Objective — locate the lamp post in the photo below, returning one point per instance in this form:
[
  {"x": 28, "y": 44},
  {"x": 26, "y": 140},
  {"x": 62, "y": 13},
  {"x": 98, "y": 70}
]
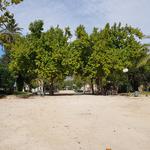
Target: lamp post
[{"x": 125, "y": 70}]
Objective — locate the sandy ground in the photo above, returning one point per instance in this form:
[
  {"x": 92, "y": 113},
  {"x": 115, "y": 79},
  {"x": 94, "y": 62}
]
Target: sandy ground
[{"x": 75, "y": 123}]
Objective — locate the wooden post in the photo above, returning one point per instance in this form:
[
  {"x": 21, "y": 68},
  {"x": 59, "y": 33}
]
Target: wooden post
[{"x": 108, "y": 148}]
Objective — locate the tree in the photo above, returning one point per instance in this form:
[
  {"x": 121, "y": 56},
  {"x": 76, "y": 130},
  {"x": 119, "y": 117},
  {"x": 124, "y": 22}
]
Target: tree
[
  {"x": 82, "y": 46},
  {"x": 99, "y": 57},
  {"x": 41, "y": 55},
  {"x": 114, "y": 48},
  {"x": 24, "y": 53},
  {"x": 8, "y": 32},
  {"x": 6, "y": 79},
  {"x": 22, "y": 64},
  {"x": 51, "y": 66},
  {"x": 6, "y": 3},
  {"x": 80, "y": 51},
  {"x": 143, "y": 68},
  {"x": 8, "y": 26},
  {"x": 36, "y": 28}
]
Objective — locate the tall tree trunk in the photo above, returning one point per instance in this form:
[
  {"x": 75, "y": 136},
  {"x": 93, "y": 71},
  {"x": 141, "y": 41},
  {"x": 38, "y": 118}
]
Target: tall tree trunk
[
  {"x": 51, "y": 90},
  {"x": 98, "y": 85},
  {"x": 92, "y": 87},
  {"x": 134, "y": 83},
  {"x": 20, "y": 83}
]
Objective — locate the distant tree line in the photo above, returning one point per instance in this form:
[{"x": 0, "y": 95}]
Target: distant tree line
[{"x": 46, "y": 58}]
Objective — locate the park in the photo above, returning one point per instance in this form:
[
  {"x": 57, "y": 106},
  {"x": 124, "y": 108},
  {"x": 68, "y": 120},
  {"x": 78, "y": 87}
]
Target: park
[{"x": 74, "y": 75}]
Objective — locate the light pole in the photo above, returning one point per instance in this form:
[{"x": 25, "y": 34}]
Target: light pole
[{"x": 125, "y": 70}]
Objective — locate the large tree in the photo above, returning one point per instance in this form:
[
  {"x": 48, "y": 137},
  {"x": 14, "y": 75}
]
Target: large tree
[
  {"x": 50, "y": 61},
  {"x": 24, "y": 53},
  {"x": 99, "y": 57},
  {"x": 8, "y": 25},
  {"x": 9, "y": 30},
  {"x": 114, "y": 48}
]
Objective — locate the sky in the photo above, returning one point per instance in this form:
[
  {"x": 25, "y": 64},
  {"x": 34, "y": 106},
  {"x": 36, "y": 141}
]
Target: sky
[{"x": 91, "y": 13}]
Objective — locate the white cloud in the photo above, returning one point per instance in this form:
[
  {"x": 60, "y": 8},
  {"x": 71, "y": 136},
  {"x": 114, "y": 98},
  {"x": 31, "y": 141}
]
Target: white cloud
[
  {"x": 88, "y": 12},
  {"x": 133, "y": 12}
]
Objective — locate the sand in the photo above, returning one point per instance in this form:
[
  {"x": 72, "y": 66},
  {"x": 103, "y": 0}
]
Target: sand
[{"x": 75, "y": 123}]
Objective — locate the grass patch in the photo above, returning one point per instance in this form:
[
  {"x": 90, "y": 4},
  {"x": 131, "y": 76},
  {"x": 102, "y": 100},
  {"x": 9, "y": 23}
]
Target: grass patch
[
  {"x": 145, "y": 93},
  {"x": 22, "y": 94}
]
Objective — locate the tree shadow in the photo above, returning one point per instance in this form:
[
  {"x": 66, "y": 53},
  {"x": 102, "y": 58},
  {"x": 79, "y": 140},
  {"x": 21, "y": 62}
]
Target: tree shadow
[{"x": 2, "y": 96}]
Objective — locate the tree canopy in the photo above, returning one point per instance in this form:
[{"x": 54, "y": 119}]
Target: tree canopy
[
  {"x": 99, "y": 57},
  {"x": 50, "y": 56}
]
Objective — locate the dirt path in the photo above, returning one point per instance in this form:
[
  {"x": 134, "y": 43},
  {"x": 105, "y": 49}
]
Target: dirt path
[{"x": 75, "y": 123}]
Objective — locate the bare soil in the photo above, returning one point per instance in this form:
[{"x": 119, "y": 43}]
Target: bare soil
[{"x": 75, "y": 123}]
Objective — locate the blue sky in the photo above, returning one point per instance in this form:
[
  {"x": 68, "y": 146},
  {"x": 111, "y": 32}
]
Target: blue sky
[{"x": 87, "y": 12}]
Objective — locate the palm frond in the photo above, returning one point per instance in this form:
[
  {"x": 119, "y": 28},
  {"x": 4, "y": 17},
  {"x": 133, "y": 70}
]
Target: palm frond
[{"x": 143, "y": 61}]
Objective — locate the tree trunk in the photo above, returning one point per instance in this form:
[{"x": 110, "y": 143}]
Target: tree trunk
[
  {"x": 134, "y": 83},
  {"x": 20, "y": 83},
  {"x": 98, "y": 85},
  {"x": 92, "y": 87},
  {"x": 51, "y": 89},
  {"x": 102, "y": 92}
]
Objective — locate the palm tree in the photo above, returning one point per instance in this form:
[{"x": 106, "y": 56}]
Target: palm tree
[
  {"x": 8, "y": 29},
  {"x": 144, "y": 60}
]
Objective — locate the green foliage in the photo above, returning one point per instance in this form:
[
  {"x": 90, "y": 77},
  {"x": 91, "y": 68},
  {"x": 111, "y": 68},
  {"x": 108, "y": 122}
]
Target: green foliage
[
  {"x": 143, "y": 61},
  {"x": 23, "y": 56},
  {"x": 50, "y": 55},
  {"x": 99, "y": 57},
  {"x": 22, "y": 94},
  {"x": 9, "y": 30},
  {"x": 36, "y": 28},
  {"x": 8, "y": 26},
  {"x": 113, "y": 49},
  {"x": 6, "y": 79},
  {"x": 81, "y": 49},
  {"x": 6, "y": 3}
]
